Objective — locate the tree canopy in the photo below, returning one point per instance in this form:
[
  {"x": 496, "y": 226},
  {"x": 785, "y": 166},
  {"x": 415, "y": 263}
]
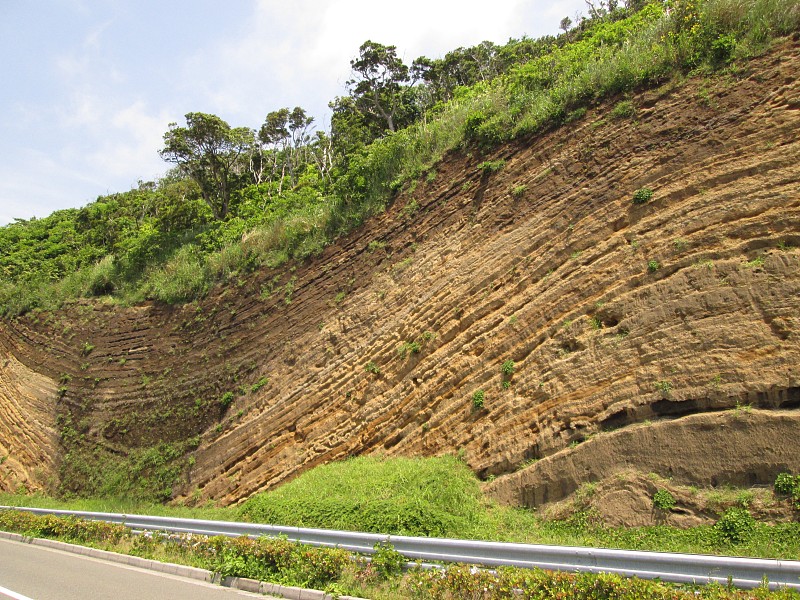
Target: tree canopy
[{"x": 208, "y": 151}]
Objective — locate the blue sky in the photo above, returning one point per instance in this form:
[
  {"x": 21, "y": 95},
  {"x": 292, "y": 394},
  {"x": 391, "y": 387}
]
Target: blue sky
[{"x": 90, "y": 86}]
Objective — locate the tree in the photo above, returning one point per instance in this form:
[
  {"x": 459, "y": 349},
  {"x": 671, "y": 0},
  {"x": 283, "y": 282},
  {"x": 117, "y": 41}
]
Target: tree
[
  {"x": 208, "y": 150},
  {"x": 376, "y": 86},
  {"x": 285, "y": 136}
]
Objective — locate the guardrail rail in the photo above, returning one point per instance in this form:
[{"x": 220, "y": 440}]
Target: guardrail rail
[{"x": 667, "y": 566}]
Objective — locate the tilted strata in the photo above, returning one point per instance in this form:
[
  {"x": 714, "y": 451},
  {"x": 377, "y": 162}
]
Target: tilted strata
[{"x": 614, "y": 314}]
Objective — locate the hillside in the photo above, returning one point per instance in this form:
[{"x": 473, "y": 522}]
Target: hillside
[{"x": 635, "y": 330}]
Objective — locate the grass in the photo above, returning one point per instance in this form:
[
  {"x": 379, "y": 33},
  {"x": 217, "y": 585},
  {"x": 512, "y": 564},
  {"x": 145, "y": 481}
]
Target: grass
[
  {"x": 437, "y": 497},
  {"x": 441, "y": 497}
]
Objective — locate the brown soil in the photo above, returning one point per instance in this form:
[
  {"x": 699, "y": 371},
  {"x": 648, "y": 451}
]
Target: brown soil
[{"x": 544, "y": 262}]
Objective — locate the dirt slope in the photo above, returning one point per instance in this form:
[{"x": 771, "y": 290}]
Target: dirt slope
[{"x": 544, "y": 262}]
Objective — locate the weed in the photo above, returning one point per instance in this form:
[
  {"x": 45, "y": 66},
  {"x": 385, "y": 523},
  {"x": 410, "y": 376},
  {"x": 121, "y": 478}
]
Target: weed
[
  {"x": 784, "y": 247},
  {"x": 492, "y": 166},
  {"x": 427, "y": 336},
  {"x": 653, "y": 265},
  {"x": 86, "y": 348},
  {"x": 680, "y": 244},
  {"x": 506, "y": 384},
  {"x": 431, "y": 176},
  {"x": 576, "y": 115},
  {"x": 512, "y": 320},
  {"x": 409, "y": 348},
  {"x": 259, "y": 384},
  {"x": 507, "y": 368},
  {"x": 226, "y": 400},
  {"x": 478, "y": 399},
  {"x": 736, "y": 526},
  {"x": 704, "y": 264},
  {"x": 288, "y": 290},
  {"x": 622, "y": 110},
  {"x": 642, "y": 195},
  {"x": 411, "y": 207},
  {"x": 371, "y": 367},
  {"x": 375, "y": 245},
  {"x": 664, "y": 500},
  {"x": 595, "y": 323},
  {"x": 665, "y": 387},
  {"x": 387, "y": 561},
  {"x": 518, "y": 191},
  {"x": 340, "y": 297},
  {"x": 757, "y": 262}
]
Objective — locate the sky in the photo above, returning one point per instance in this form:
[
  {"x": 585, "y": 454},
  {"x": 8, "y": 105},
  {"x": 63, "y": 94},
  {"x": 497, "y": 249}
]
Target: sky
[{"x": 88, "y": 87}]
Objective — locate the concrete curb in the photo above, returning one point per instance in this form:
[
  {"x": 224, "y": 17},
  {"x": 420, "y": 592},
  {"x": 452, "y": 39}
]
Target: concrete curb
[{"x": 238, "y": 583}]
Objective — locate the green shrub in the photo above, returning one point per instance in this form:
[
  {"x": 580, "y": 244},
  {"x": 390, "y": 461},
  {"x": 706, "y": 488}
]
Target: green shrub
[
  {"x": 736, "y": 526},
  {"x": 478, "y": 399},
  {"x": 642, "y": 195},
  {"x": 785, "y": 483},
  {"x": 653, "y": 265},
  {"x": 664, "y": 500},
  {"x": 624, "y": 110},
  {"x": 226, "y": 400},
  {"x": 387, "y": 561},
  {"x": 371, "y": 367},
  {"x": 492, "y": 166},
  {"x": 409, "y": 347},
  {"x": 507, "y": 368}
]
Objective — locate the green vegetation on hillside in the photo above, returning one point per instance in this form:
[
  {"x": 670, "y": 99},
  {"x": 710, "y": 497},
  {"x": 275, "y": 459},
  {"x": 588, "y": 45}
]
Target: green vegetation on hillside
[
  {"x": 240, "y": 199},
  {"x": 404, "y": 496}
]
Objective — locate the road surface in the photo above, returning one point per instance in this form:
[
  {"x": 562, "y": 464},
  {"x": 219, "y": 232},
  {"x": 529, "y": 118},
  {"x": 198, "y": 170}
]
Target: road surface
[{"x": 34, "y": 573}]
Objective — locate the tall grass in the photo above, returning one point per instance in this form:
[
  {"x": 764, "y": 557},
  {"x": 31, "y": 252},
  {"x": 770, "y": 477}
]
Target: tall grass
[{"x": 437, "y": 497}]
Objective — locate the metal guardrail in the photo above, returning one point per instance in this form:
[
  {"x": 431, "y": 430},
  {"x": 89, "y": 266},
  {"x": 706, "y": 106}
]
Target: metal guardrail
[{"x": 673, "y": 567}]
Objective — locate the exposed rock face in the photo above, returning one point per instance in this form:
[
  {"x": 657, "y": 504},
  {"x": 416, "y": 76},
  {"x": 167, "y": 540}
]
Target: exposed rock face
[
  {"x": 28, "y": 440},
  {"x": 743, "y": 447},
  {"x": 612, "y": 313}
]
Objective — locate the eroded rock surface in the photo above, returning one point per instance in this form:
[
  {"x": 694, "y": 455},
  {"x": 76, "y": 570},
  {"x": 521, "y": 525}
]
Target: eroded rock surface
[{"x": 614, "y": 314}]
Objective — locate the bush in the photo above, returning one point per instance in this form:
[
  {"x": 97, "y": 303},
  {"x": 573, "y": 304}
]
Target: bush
[
  {"x": 642, "y": 195},
  {"x": 477, "y": 399},
  {"x": 736, "y": 526},
  {"x": 664, "y": 500},
  {"x": 387, "y": 561},
  {"x": 785, "y": 484}
]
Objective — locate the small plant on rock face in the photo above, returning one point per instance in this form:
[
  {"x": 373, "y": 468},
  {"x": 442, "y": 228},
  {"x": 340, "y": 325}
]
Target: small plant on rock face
[
  {"x": 226, "y": 399},
  {"x": 478, "y": 399},
  {"x": 653, "y": 266},
  {"x": 518, "y": 191},
  {"x": 508, "y": 368},
  {"x": 408, "y": 347},
  {"x": 371, "y": 367},
  {"x": 642, "y": 195},
  {"x": 492, "y": 166},
  {"x": 664, "y": 500},
  {"x": 665, "y": 387}
]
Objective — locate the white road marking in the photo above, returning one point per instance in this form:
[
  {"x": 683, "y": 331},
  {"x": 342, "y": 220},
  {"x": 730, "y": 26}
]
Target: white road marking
[{"x": 13, "y": 595}]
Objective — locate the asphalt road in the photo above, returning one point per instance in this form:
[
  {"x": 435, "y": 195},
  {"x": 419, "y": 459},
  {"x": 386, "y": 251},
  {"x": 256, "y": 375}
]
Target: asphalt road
[{"x": 33, "y": 573}]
